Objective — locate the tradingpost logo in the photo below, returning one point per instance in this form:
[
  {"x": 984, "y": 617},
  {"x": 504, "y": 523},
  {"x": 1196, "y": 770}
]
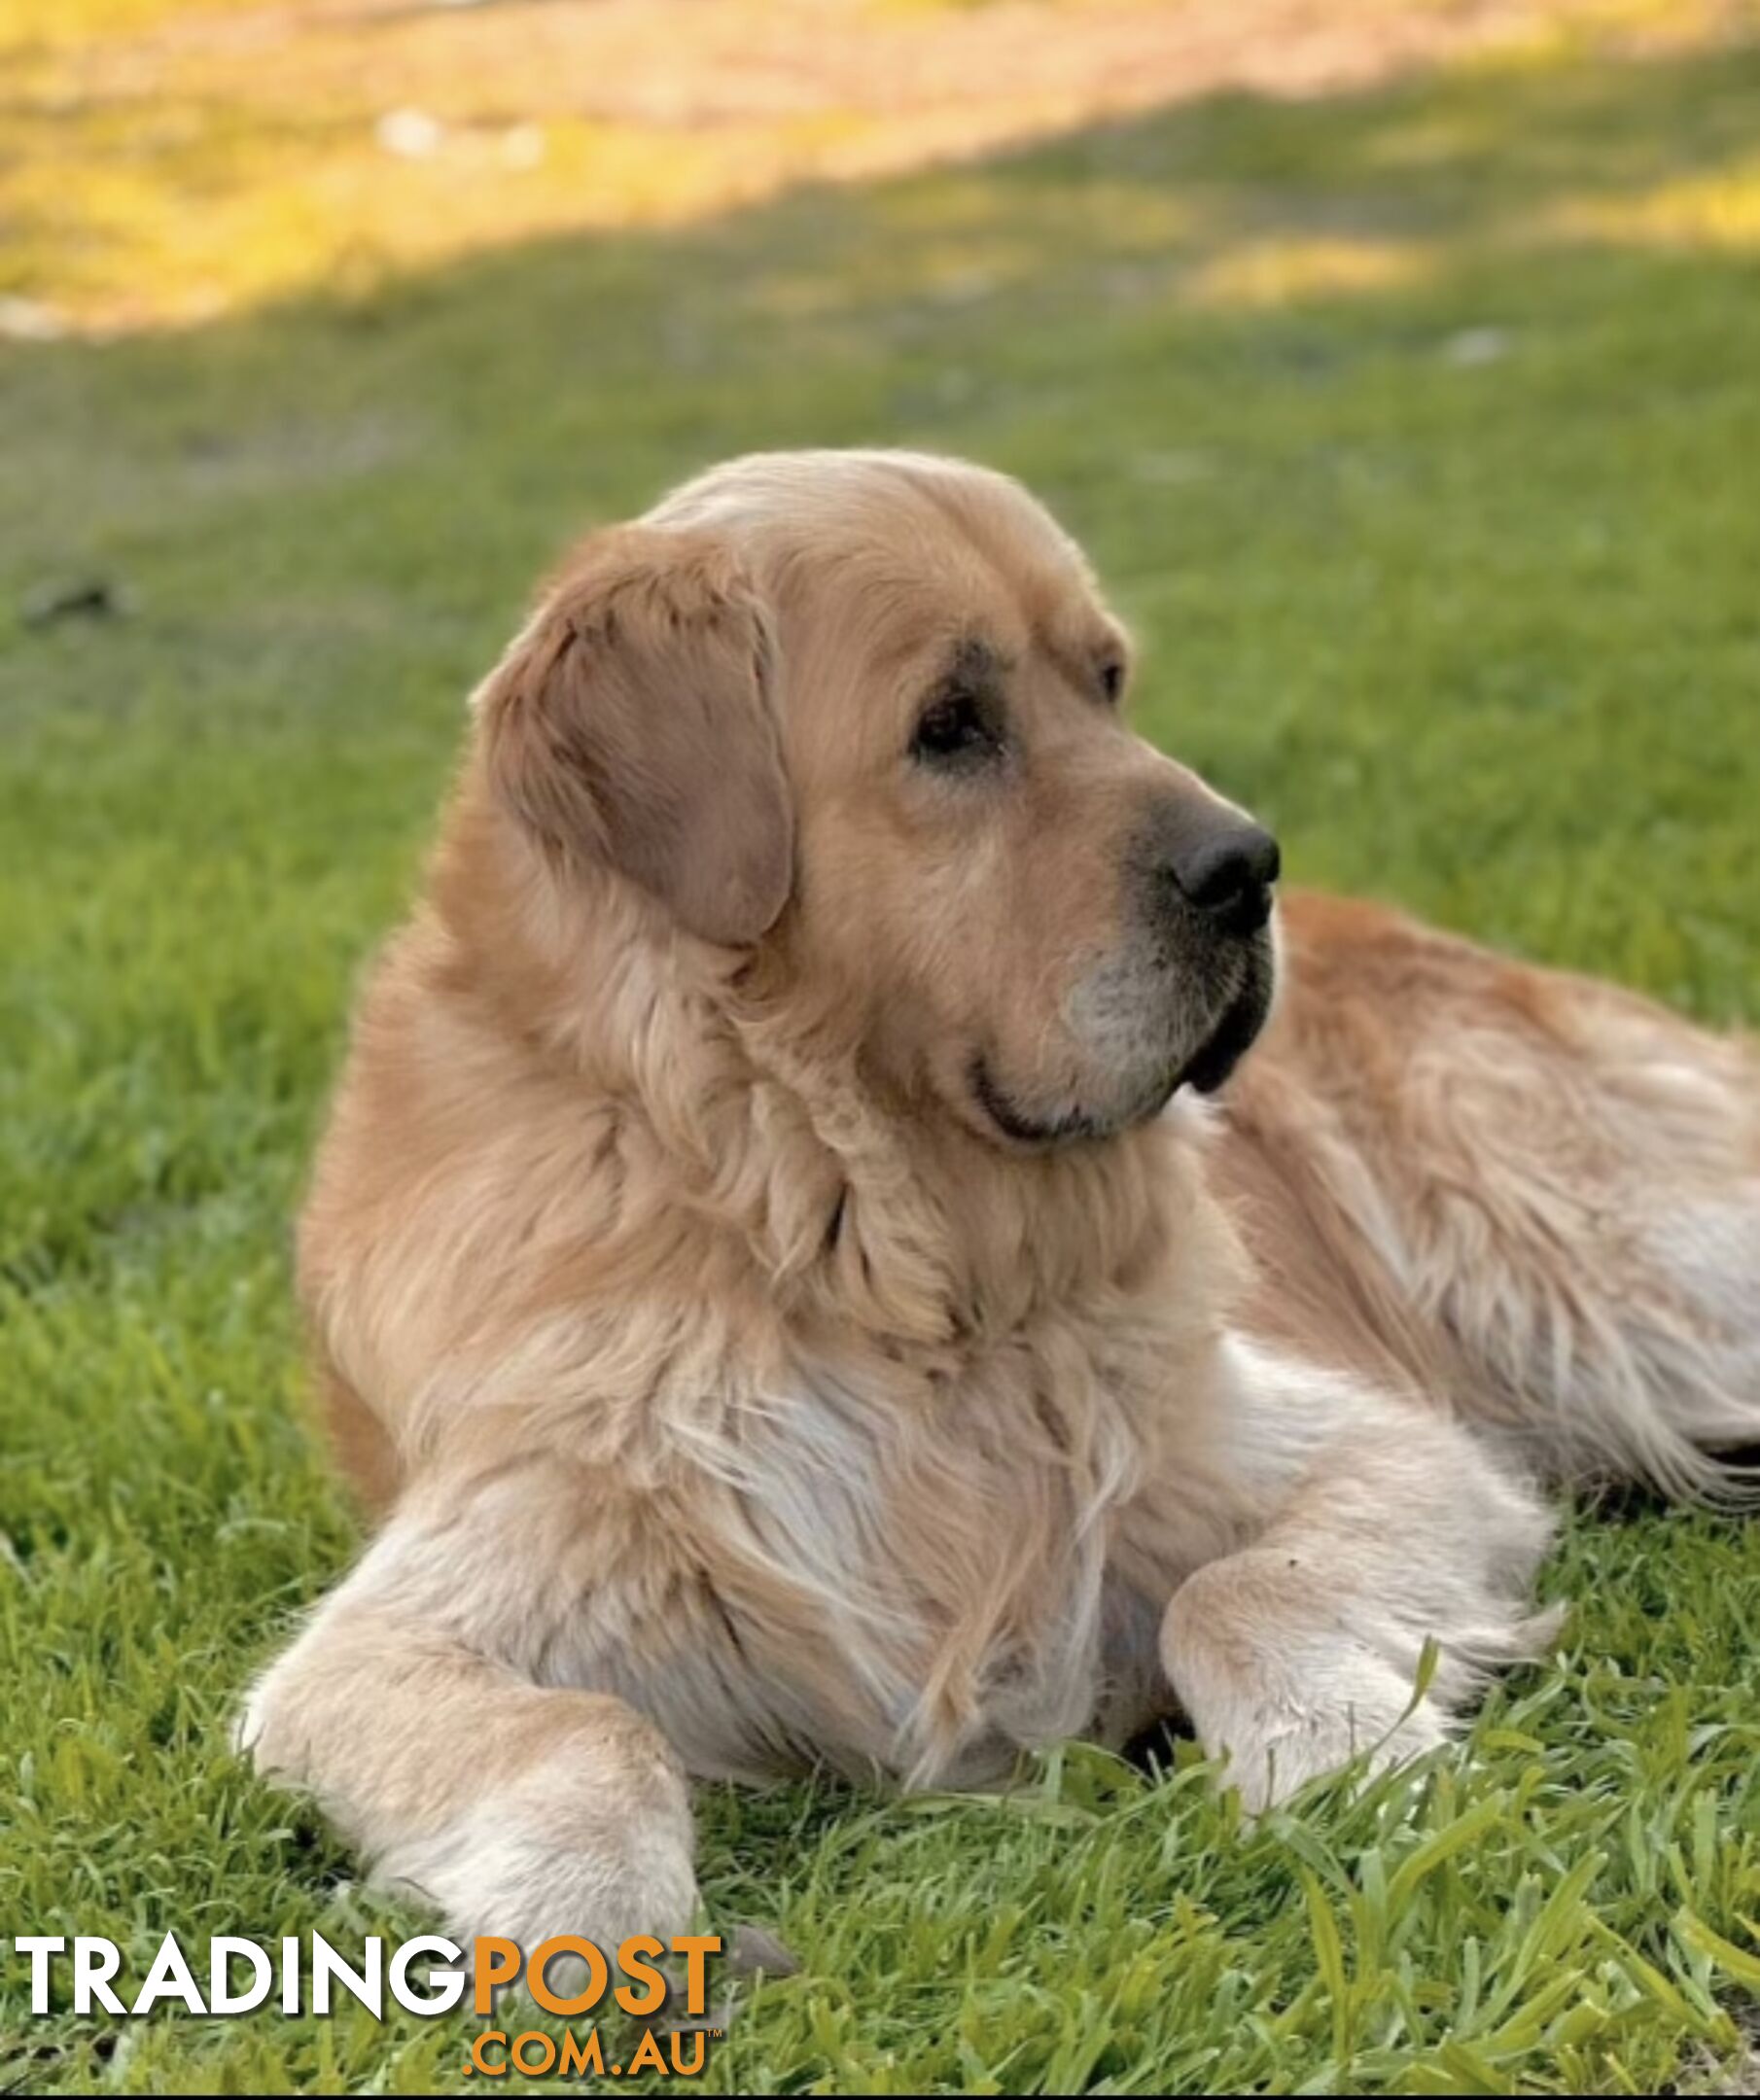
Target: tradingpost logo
[{"x": 426, "y": 1975}]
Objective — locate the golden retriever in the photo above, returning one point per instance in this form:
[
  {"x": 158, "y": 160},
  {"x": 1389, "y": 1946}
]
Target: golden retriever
[{"x": 783, "y": 1270}]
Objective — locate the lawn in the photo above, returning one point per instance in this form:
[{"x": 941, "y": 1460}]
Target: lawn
[{"x": 1416, "y": 431}]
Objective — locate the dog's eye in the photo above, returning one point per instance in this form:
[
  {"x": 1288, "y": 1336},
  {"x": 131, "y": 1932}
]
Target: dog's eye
[
  {"x": 1111, "y": 680},
  {"x": 955, "y": 728}
]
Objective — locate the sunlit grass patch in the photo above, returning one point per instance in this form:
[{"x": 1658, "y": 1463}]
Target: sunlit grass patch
[
  {"x": 1719, "y": 209},
  {"x": 1271, "y": 272}
]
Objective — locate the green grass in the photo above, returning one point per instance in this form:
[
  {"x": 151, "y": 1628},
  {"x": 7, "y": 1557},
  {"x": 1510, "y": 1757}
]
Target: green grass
[{"x": 1484, "y": 637}]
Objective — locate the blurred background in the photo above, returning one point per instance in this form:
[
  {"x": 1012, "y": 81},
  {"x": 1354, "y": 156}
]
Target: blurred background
[{"x": 1399, "y": 363}]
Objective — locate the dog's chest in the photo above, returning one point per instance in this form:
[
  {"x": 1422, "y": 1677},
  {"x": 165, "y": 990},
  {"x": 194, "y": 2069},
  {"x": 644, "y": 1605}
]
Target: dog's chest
[{"x": 906, "y": 1581}]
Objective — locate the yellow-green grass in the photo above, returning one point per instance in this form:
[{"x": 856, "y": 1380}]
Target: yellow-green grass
[{"x": 1445, "y": 564}]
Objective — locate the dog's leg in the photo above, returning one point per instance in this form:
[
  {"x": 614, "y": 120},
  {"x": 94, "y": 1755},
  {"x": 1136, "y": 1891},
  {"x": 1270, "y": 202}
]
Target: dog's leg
[
  {"x": 1304, "y": 1648},
  {"x": 517, "y": 1809},
  {"x": 1555, "y": 1182},
  {"x": 1660, "y": 1360},
  {"x": 1600, "y": 1273}
]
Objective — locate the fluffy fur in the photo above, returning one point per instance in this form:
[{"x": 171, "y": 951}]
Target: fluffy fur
[{"x": 764, "y": 1284}]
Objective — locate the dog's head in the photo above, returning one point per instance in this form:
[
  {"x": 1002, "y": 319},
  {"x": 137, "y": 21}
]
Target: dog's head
[{"x": 864, "y": 715}]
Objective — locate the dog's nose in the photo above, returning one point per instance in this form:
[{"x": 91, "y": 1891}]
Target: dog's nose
[{"x": 1228, "y": 875}]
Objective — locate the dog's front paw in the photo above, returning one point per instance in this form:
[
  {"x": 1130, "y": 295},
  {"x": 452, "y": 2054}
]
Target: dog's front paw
[
  {"x": 543, "y": 1855},
  {"x": 529, "y": 1863},
  {"x": 1288, "y": 1696},
  {"x": 1273, "y": 1753}
]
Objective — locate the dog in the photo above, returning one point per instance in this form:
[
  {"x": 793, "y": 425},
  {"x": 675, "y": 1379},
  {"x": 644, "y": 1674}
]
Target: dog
[{"x": 798, "y": 1275}]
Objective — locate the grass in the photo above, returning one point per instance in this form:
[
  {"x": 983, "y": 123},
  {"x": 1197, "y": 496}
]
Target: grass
[{"x": 1444, "y": 560}]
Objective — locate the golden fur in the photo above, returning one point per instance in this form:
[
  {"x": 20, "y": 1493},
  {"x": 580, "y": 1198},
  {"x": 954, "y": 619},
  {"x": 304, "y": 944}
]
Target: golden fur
[{"x": 758, "y": 1276}]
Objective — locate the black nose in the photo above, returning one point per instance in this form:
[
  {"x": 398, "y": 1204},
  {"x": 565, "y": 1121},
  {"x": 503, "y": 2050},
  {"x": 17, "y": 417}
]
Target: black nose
[{"x": 1228, "y": 875}]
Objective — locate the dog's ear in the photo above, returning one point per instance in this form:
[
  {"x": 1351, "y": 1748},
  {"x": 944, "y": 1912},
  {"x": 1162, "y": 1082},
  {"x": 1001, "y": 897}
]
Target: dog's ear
[{"x": 633, "y": 724}]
